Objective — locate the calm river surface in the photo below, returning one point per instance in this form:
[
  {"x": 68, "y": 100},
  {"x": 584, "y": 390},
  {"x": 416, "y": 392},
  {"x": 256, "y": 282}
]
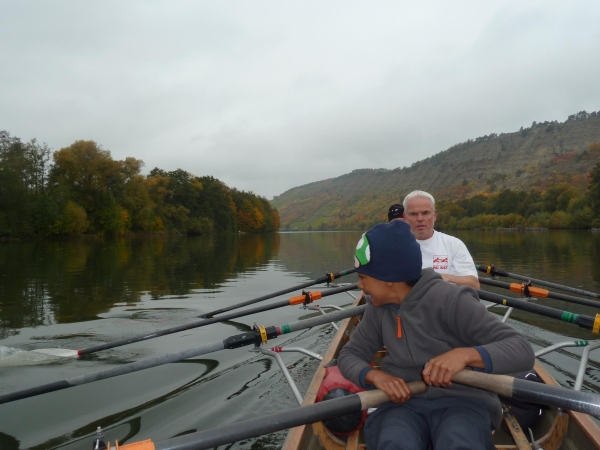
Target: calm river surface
[{"x": 79, "y": 294}]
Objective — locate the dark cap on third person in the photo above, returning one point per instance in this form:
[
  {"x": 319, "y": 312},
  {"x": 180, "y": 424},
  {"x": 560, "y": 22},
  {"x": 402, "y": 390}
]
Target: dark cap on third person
[{"x": 396, "y": 211}]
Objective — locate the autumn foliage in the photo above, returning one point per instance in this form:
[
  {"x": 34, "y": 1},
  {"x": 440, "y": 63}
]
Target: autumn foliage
[{"x": 86, "y": 191}]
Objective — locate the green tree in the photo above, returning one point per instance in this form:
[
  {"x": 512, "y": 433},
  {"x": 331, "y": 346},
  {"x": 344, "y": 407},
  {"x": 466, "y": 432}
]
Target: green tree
[
  {"x": 594, "y": 191},
  {"x": 74, "y": 219},
  {"x": 112, "y": 193},
  {"x": 134, "y": 196},
  {"x": 254, "y": 213},
  {"x": 23, "y": 170},
  {"x": 45, "y": 216},
  {"x": 181, "y": 201},
  {"x": 110, "y": 217},
  {"x": 217, "y": 204},
  {"x": 91, "y": 179},
  {"x": 249, "y": 217}
]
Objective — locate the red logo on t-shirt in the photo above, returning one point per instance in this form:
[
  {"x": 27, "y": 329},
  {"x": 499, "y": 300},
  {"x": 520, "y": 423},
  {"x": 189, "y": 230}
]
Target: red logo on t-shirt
[{"x": 440, "y": 262}]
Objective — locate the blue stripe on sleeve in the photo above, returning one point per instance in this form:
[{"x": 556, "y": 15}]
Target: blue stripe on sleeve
[
  {"x": 361, "y": 378},
  {"x": 487, "y": 360}
]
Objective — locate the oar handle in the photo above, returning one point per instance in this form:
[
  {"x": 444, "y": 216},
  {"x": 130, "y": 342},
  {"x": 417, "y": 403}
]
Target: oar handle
[
  {"x": 371, "y": 399},
  {"x": 500, "y": 384}
]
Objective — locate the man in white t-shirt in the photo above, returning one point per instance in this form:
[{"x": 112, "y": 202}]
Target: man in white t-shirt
[{"x": 446, "y": 254}]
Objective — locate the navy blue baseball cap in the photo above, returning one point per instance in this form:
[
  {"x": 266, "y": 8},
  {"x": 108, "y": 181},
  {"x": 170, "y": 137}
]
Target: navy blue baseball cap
[{"x": 389, "y": 252}]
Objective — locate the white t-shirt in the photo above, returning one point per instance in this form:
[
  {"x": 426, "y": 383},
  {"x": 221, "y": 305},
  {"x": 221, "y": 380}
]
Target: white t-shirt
[{"x": 447, "y": 254}]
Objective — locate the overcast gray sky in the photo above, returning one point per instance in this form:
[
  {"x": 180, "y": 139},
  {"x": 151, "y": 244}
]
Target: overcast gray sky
[{"x": 267, "y": 96}]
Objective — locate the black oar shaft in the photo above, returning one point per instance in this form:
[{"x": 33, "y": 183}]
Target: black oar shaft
[
  {"x": 202, "y": 323},
  {"x": 116, "y": 371},
  {"x": 235, "y": 432},
  {"x": 301, "y": 415},
  {"x": 189, "y": 326},
  {"x": 231, "y": 342},
  {"x": 491, "y": 270},
  {"x": 587, "y": 322},
  {"x": 544, "y": 294},
  {"x": 530, "y": 391},
  {"x": 327, "y": 278},
  {"x": 583, "y": 402}
]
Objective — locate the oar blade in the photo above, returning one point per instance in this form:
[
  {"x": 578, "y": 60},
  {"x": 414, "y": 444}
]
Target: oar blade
[{"x": 62, "y": 352}]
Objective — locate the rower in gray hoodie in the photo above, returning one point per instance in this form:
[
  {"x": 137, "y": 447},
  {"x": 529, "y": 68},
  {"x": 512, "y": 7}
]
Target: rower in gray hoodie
[{"x": 431, "y": 329}]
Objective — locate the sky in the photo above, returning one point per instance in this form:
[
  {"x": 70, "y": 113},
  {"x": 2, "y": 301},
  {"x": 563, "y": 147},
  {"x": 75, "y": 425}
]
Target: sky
[{"x": 269, "y": 95}]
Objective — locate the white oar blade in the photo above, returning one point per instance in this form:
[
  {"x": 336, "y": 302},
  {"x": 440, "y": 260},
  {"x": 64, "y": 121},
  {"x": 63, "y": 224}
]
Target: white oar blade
[
  {"x": 14, "y": 357},
  {"x": 62, "y": 352}
]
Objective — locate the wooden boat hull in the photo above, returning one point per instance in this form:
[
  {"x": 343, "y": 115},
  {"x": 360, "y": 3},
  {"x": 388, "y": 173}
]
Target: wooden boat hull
[{"x": 556, "y": 430}]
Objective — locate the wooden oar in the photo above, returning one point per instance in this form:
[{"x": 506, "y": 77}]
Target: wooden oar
[
  {"x": 531, "y": 291},
  {"x": 587, "y": 322},
  {"x": 501, "y": 384},
  {"x": 258, "y": 336},
  {"x": 305, "y": 298},
  {"x": 328, "y": 278},
  {"x": 491, "y": 270}
]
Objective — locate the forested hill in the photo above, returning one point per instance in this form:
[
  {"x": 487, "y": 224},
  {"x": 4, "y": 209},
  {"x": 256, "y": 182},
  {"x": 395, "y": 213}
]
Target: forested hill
[{"x": 529, "y": 163}]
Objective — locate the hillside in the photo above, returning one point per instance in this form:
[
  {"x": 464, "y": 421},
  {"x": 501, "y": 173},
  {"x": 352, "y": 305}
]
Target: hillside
[{"x": 531, "y": 158}]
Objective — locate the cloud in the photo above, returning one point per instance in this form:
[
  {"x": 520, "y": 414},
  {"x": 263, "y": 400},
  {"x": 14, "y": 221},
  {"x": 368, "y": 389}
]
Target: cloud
[{"x": 269, "y": 95}]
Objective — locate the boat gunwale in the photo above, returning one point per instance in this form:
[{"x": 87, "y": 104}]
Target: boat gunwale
[
  {"x": 583, "y": 421},
  {"x": 295, "y": 435}
]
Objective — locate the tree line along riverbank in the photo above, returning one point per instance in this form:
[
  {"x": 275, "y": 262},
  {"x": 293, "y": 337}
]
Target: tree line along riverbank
[
  {"x": 81, "y": 189},
  {"x": 567, "y": 203}
]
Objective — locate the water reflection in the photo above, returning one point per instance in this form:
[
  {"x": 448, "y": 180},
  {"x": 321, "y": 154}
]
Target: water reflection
[
  {"x": 44, "y": 283},
  {"x": 550, "y": 255},
  {"x": 317, "y": 253},
  {"x": 63, "y": 282}
]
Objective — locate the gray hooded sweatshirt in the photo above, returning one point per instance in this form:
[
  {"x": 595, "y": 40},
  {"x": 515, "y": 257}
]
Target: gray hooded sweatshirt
[{"x": 435, "y": 318}]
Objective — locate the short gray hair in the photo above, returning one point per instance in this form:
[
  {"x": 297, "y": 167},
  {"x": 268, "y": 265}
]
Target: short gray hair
[{"x": 418, "y": 194}]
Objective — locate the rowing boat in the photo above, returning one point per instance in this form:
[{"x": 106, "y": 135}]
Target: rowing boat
[{"x": 557, "y": 430}]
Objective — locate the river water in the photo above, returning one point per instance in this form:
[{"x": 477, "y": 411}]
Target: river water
[{"x": 77, "y": 294}]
